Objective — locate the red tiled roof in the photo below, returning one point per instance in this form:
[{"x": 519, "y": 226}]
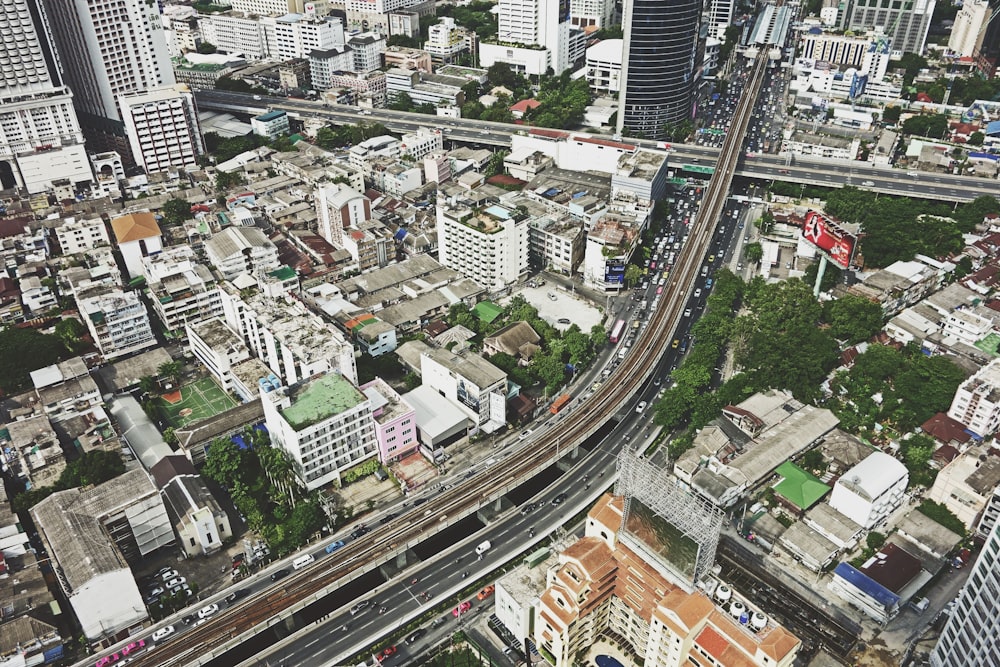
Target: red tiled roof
[
  {"x": 548, "y": 134},
  {"x": 945, "y": 429},
  {"x": 603, "y": 142},
  {"x": 945, "y": 455},
  {"x": 713, "y": 642},
  {"x": 524, "y": 105}
]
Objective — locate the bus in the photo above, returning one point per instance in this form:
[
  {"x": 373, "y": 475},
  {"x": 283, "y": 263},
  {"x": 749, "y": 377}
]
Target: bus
[{"x": 616, "y": 333}]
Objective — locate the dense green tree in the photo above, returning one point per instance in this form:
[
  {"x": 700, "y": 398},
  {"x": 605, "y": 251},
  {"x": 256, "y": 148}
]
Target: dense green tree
[
  {"x": 976, "y": 138},
  {"x": 753, "y": 252},
  {"x": 830, "y": 276},
  {"x": 890, "y": 115},
  {"x": 562, "y": 102},
  {"x": 577, "y": 344},
  {"x": 598, "y": 336},
  {"x": 224, "y": 463},
  {"x": 206, "y": 48},
  {"x": 935, "y": 126},
  {"x": 403, "y": 40},
  {"x": 674, "y": 408},
  {"x": 476, "y": 16},
  {"x": 551, "y": 370},
  {"x": 71, "y": 332},
  {"x": 633, "y": 274},
  {"x": 306, "y": 519},
  {"x": 973, "y": 213},
  {"x": 170, "y": 369},
  {"x": 95, "y": 467},
  {"x": 25, "y": 350},
  {"x": 460, "y": 315},
  {"x": 501, "y": 74},
  {"x": 852, "y": 318},
  {"x": 401, "y": 102},
  {"x": 225, "y": 181},
  {"x": 175, "y": 211},
  {"x": 911, "y": 63}
]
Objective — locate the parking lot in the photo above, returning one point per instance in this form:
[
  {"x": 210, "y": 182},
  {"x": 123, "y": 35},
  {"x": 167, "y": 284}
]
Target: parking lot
[{"x": 562, "y": 311}]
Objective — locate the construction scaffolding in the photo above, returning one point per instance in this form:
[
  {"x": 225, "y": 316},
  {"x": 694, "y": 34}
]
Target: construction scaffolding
[{"x": 661, "y": 492}]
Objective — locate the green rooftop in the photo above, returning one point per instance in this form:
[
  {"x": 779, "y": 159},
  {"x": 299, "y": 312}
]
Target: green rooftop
[
  {"x": 989, "y": 344},
  {"x": 799, "y": 487},
  {"x": 487, "y": 311},
  {"x": 284, "y": 273},
  {"x": 319, "y": 399}
]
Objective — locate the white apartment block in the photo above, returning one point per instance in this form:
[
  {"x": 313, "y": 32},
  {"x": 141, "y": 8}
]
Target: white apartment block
[
  {"x": 324, "y": 424},
  {"x": 235, "y": 34},
  {"x": 238, "y": 250},
  {"x": 967, "y": 484},
  {"x": 261, "y": 7},
  {"x": 297, "y": 35},
  {"x": 611, "y": 241},
  {"x": 366, "y": 49},
  {"x": 834, "y": 48},
  {"x": 361, "y": 156},
  {"x": 967, "y": 326},
  {"x": 325, "y": 65},
  {"x": 418, "y": 144},
  {"x": 977, "y": 401},
  {"x": 720, "y": 17},
  {"x": 592, "y": 13},
  {"x": 969, "y": 30},
  {"x": 117, "y": 321},
  {"x": 66, "y": 390},
  {"x": 490, "y": 246},
  {"x": 110, "y": 48},
  {"x": 81, "y": 234},
  {"x": 162, "y": 128},
  {"x": 339, "y": 207},
  {"x": 219, "y": 348},
  {"x": 604, "y": 66},
  {"x": 292, "y": 341},
  {"x": 445, "y": 40},
  {"x": 437, "y": 168},
  {"x": 557, "y": 243},
  {"x": 35, "y": 296},
  {"x": 870, "y": 491},
  {"x": 181, "y": 289}
]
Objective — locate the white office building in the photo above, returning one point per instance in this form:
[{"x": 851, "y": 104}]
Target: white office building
[
  {"x": 324, "y": 424},
  {"x": 366, "y": 50},
  {"x": 489, "y": 246},
  {"x": 40, "y": 136},
  {"x": 234, "y": 34},
  {"x": 297, "y": 35},
  {"x": 906, "y": 24},
  {"x": 592, "y": 13},
  {"x": 478, "y": 387},
  {"x": 418, "y": 144},
  {"x": 969, "y": 30},
  {"x": 117, "y": 321},
  {"x": 720, "y": 17},
  {"x": 339, "y": 207},
  {"x": 445, "y": 40},
  {"x": 870, "y": 491},
  {"x": 604, "y": 66},
  {"x": 162, "y": 128},
  {"x": 181, "y": 289},
  {"x": 218, "y": 348},
  {"x": 110, "y": 48},
  {"x": 530, "y": 24},
  {"x": 977, "y": 401}
]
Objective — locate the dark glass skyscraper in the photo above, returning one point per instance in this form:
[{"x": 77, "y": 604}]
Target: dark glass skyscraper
[{"x": 658, "y": 64}]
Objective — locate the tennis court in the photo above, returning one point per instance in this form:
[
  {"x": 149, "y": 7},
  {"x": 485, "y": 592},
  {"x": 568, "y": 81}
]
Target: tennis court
[{"x": 192, "y": 402}]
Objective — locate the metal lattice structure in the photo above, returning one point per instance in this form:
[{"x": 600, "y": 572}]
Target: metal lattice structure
[{"x": 661, "y": 492}]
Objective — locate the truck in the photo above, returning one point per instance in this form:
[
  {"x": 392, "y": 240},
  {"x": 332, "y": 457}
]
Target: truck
[
  {"x": 559, "y": 404},
  {"x": 483, "y": 548}
]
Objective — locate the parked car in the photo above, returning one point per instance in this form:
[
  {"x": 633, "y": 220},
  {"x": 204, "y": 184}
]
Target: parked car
[
  {"x": 386, "y": 653},
  {"x": 208, "y": 610},
  {"x": 169, "y": 574},
  {"x": 175, "y": 582},
  {"x": 461, "y": 609}
]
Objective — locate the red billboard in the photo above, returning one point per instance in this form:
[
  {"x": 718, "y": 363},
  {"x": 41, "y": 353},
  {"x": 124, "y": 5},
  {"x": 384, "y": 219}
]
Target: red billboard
[{"x": 831, "y": 238}]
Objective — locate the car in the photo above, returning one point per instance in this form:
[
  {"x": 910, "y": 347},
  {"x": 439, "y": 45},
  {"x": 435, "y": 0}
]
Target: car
[
  {"x": 163, "y": 633},
  {"x": 389, "y": 651},
  {"x": 461, "y": 609},
  {"x": 659, "y": 290},
  {"x": 560, "y": 499},
  {"x": 280, "y": 574},
  {"x": 697, "y": 293},
  {"x": 528, "y": 508},
  {"x": 181, "y": 588},
  {"x": 387, "y": 518},
  {"x": 565, "y": 321},
  {"x": 524, "y": 434},
  {"x": 175, "y": 582},
  {"x": 711, "y": 258},
  {"x": 238, "y": 559},
  {"x": 333, "y": 547},
  {"x": 359, "y": 531},
  {"x": 208, "y": 610},
  {"x": 675, "y": 343},
  {"x": 189, "y": 619},
  {"x": 415, "y": 635},
  {"x": 439, "y": 621},
  {"x": 257, "y": 97},
  {"x": 552, "y": 297},
  {"x": 169, "y": 574},
  {"x": 360, "y": 607},
  {"x": 596, "y": 386},
  {"x": 232, "y": 598},
  {"x": 687, "y": 312},
  {"x": 486, "y": 592},
  {"x": 639, "y": 409}
]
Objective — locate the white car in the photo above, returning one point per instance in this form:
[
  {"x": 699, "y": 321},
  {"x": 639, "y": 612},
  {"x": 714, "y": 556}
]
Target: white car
[
  {"x": 169, "y": 574},
  {"x": 175, "y": 582},
  {"x": 209, "y": 610},
  {"x": 640, "y": 408},
  {"x": 163, "y": 633},
  {"x": 524, "y": 434}
]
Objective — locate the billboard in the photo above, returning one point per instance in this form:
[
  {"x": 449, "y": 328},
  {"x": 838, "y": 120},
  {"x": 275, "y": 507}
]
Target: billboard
[
  {"x": 614, "y": 271},
  {"x": 837, "y": 243},
  {"x": 663, "y": 538}
]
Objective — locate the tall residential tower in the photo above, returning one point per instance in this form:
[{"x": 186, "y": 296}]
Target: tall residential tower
[
  {"x": 659, "y": 64},
  {"x": 40, "y": 137},
  {"x": 109, "y": 48}
]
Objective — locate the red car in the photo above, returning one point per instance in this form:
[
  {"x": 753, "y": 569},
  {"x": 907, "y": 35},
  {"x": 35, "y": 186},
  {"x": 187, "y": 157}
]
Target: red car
[
  {"x": 461, "y": 609},
  {"x": 386, "y": 653}
]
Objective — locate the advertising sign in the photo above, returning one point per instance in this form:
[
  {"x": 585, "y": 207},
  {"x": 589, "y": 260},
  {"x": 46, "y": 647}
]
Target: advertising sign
[
  {"x": 614, "y": 271},
  {"x": 831, "y": 238}
]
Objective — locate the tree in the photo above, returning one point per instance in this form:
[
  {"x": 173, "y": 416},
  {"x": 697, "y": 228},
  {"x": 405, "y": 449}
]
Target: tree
[
  {"x": 911, "y": 63},
  {"x": 70, "y": 331},
  {"x": 813, "y": 461},
  {"x": 976, "y": 138},
  {"x": 830, "y": 276},
  {"x": 890, "y": 115},
  {"x": 753, "y": 252},
  {"x": 495, "y": 166},
  {"x": 226, "y": 180},
  {"x": 175, "y": 211},
  {"x": 633, "y": 274},
  {"x": 402, "y": 102},
  {"x": 206, "y": 48},
  {"x": 403, "y": 40},
  {"x": 224, "y": 463},
  {"x": 148, "y": 384},
  {"x": 598, "y": 336},
  {"x": 171, "y": 369},
  {"x": 550, "y": 370},
  {"x": 92, "y": 468},
  {"x": 852, "y": 318},
  {"x": 501, "y": 74}
]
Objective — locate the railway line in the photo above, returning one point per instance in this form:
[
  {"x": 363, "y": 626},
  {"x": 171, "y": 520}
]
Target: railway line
[{"x": 231, "y": 626}]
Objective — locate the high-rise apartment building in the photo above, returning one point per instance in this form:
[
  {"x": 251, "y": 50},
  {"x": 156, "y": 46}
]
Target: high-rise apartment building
[
  {"x": 970, "y": 28},
  {"x": 905, "y": 23},
  {"x": 40, "y": 136},
  {"x": 162, "y": 128},
  {"x": 490, "y": 246},
  {"x": 596, "y": 13},
  {"x": 109, "y": 48},
  {"x": 720, "y": 17},
  {"x": 971, "y": 637},
  {"x": 977, "y": 401},
  {"x": 658, "y": 65}
]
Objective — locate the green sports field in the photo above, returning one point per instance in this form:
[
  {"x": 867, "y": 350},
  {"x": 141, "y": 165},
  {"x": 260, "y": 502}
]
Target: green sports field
[{"x": 197, "y": 401}]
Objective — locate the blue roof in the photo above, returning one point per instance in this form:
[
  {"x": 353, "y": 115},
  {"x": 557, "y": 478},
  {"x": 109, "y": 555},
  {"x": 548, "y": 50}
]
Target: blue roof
[
  {"x": 987, "y": 156},
  {"x": 866, "y": 585},
  {"x": 400, "y": 234},
  {"x": 993, "y": 128},
  {"x": 270, "y": 115}
]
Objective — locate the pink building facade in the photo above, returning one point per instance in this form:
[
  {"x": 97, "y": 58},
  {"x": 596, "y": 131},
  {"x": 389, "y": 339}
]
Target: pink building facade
[{"x": 395, "y": 421}]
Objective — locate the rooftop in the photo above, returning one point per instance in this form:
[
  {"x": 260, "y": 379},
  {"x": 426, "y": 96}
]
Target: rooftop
[
  {"x": 472, "y": 367},
  {"x": 320, "y": 398},
  {"x": 799, "y": 487},
  {"x": 134, "y": 227}
]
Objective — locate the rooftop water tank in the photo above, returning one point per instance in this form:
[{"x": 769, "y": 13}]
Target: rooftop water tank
[
  {"x": 758, "y": 621},
  {"x": 723, "y": 593},
  {"x": 736, "y": 609}
]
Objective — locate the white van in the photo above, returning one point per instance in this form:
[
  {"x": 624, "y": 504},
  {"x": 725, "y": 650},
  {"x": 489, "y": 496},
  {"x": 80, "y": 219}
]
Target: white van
[
  {"x": 483, "y": 548},
  {"x": 302, "y": 561}
]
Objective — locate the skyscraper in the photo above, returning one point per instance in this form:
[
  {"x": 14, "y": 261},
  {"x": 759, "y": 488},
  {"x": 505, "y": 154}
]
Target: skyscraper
[
  {"x": 40, "y": 137},
  {"x": 533, "y": 24},
  {"x": 971, "y": 637},
  {"x": 109, "y": 48},
  {"x": 905, "y": 22},
  {"x": 658, "y": 65}
]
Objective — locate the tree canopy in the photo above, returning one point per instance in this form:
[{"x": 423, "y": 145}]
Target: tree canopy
[
  {"x": 340, "y": 136},
  {"x": 562, "y": 102},
  {"x": 92, "y": 468},
  {"x": 23, "y": 351}
]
